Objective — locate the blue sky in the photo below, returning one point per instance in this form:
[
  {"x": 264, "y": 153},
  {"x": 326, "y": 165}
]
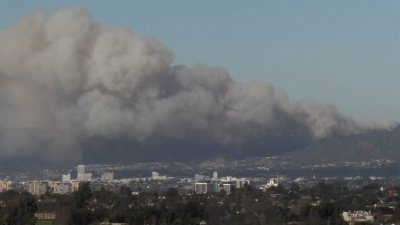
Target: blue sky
[{"x": 342, "y": 52}]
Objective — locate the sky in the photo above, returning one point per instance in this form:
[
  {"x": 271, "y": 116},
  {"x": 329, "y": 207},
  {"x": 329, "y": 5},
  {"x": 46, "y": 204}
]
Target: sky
[{"x": 346, "y": 53}]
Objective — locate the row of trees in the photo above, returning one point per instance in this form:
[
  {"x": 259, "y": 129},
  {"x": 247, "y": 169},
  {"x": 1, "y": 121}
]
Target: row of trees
[
  {"x": 17, "y": 208},
  {"x": 321, "y": 204}
]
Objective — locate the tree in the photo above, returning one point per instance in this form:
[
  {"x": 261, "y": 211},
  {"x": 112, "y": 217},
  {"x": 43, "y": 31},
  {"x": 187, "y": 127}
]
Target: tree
[
  {"x": 83, "y": 195},
  {"x": 396, "y": 215},
  {"x": 314, "y": 216},
  {"x": 20, "y": 210},
  {"x": 80, "y": 216}
]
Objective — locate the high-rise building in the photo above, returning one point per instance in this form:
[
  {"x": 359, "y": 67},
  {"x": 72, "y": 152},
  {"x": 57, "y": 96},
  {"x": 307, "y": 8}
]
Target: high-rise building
[
  {"x": 241, "y": 182},
  {"x": 82, "y": 176},
  {"x": 204, "y": 184},
  {"x": 215, "y": 175},
  {"x": 156, "y": 176},
  {"x": 81, "y": 169},
  {"x": 66, "y": 177},
  {"x": 202, "y": 188}
]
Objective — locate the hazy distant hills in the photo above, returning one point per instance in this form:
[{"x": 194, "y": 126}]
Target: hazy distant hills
[
  {"x": 377, "y": 144},
  {"x": 370, "y": 145}
]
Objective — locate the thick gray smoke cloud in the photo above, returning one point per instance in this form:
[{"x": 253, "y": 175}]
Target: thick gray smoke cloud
[{"x": 65, "y": 78}]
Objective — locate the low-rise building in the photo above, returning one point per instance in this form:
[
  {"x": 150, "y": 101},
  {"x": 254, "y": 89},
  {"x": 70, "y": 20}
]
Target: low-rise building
[
  {"x": 59, "y": 187},
  {"x": 38, "y": 187},
  {"x": 203, "y": 187},
  {"x": 75, "y": 185},
  {"x": 353, "y": 217},
  {"x": 66, "y": 177},
  {"x": 107, "y": 176},
  {"x": 84, "y": 177}
]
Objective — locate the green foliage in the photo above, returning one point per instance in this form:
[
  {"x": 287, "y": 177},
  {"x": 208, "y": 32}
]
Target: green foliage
[
  {"x": 45, "y": 222},
  {"x": 83, "y": 195},
  {"x": 17, "y": 208},
  {"x": 80, "y": 216},
  {"x": 321, "y": 204}
]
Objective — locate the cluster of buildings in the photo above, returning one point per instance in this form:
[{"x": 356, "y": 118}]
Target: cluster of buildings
[
  {"x": 66, "y": 185},
  {"x": 201, "y": 183},
  {"x": 205, "y": 184},
  {"x": 58, "y": 187},
  {"x": 81, "y": 175}
]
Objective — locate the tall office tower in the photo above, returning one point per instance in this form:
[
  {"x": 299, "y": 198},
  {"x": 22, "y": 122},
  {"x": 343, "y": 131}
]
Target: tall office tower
[
  {"x": 66, "y": 177},
  {"x": 154, "y": 175},
  {"x": 81, "y": 169},
  {"x": 215, "y": 175}
]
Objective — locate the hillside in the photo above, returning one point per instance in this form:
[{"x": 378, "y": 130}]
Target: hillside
[{"x": 362, "y": 147}]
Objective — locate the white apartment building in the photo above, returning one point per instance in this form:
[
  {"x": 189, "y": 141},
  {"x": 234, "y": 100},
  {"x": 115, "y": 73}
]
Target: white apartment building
[{"x": 5, "y": 185}]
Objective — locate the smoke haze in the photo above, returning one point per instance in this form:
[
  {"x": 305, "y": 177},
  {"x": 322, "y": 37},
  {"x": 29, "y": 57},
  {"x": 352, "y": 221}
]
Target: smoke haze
[{"x": 67, "y": 80}]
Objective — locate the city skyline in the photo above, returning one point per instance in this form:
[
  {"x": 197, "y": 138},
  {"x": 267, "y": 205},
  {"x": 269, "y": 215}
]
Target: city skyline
[{"x": 199, "y": 112}]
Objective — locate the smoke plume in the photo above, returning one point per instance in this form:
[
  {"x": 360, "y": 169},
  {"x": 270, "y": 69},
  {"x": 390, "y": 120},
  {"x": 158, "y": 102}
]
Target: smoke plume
[{"x": 65, "y": 79}]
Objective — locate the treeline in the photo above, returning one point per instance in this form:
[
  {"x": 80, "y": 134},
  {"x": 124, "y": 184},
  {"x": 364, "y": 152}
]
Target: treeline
[
  {"x": 321, "y": 204},
  {"x": 17, "y": 208}
]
